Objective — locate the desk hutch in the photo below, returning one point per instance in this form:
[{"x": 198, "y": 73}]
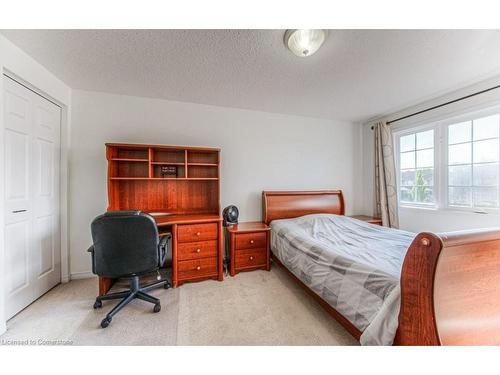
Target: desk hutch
[{"x": 182, "y": 182}]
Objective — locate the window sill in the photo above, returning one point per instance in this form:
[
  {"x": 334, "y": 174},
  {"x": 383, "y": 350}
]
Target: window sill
[
  {"x": 436, "y": 210},
  {"x": 419, "y": 208}
]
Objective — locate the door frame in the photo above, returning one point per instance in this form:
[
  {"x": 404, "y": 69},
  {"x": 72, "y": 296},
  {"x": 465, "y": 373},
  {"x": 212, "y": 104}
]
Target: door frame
[{"x": 63, "y": 184}]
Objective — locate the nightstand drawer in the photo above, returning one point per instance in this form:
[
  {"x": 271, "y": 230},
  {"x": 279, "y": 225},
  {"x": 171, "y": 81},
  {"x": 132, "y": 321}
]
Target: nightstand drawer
[
  {"x": 188, "y": 269},
  {"x": 196, "y": 250},
  {"x": 250, "y": 258},
  {"x": 197, "y": 232},
  {"x": 250, "y": 240}
]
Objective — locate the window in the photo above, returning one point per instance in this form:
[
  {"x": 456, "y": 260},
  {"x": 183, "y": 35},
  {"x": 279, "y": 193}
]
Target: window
[
  {"x": 452, "y": 164},
  {"x": 416, "y": 161},
  {"x": 473, "y": 156}
]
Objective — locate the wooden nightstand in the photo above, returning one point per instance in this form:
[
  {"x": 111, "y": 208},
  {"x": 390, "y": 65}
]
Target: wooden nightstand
[
  {"x": 249, "y": 247},
  {"x": 368, "y": 219}
]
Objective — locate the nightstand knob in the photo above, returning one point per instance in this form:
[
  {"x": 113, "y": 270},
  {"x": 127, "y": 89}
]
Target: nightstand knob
[
  {"x": 198, "y": 250},
  {"x": 251, "y": 258},
  {"x": 251, "y": 241},
  {"x": 198, "y": 268},
  {"x": 198, "y": 233}
]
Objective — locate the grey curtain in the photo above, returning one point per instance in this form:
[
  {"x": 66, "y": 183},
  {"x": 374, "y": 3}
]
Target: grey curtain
[{"x": 386, "y": 197}]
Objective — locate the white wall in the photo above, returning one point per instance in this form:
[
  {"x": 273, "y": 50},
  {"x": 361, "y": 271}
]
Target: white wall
[
  {"x": 17, "y": 63},
  {"x": 418, "y": 220},
  {"x": 259, "y": 151}
]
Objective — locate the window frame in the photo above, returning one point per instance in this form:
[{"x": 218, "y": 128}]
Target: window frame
[
  {"x": 440, "y": 127},
  {"x": 396, "y": 140}
]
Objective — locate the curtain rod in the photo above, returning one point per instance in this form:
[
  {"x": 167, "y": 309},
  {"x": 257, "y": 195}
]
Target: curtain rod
[{"x": 442, "y": 105}]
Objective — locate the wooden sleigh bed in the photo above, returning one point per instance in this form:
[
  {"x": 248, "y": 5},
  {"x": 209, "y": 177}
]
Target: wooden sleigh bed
[{"x": 450, "y": 282}]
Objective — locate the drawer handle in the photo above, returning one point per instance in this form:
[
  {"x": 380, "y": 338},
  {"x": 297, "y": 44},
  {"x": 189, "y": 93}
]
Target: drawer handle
[
  {"x": 198, "y": 233},
  {"x": 18, "y": 211},
  {"x": 251, "y": 258},
  {"x": 198, "y": 250},
  {"x": 198, "y": 268},
  {"x": 252, "y": 241}
]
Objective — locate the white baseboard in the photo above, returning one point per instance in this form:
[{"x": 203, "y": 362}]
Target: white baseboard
[{"x": 82, "y": 275}]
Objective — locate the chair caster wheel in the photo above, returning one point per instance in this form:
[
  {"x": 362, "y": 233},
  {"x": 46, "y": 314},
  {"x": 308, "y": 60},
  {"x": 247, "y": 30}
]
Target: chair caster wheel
[
  {"x": 105, "y": 322},
  {"x": 157, "y": 308},
  {"x": 167, "y": 286},
  {"x": 97, "y": 304}
]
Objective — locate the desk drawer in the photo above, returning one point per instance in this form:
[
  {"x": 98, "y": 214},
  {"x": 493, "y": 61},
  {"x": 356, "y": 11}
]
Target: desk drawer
[
  {"x": 250, "y": 240},
  {"x": 191, "y": 269},
  {"x": 196, "y": 250},
  {"x": 196, "y": 232},
  {"x": 250, "y": 258}
]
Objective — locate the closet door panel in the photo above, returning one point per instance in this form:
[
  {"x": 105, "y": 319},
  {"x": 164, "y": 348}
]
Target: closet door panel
[
  {"x": 18, "y": 119},
  {"x": 32, "y": 223},
  {"x": 47, "y": 253},
  {"x": 18, "y": 104},
  {"x": 17, "y": 265}
]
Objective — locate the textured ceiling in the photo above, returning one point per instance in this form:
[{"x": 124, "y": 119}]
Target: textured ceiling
[{"x": 356, "y": 75}]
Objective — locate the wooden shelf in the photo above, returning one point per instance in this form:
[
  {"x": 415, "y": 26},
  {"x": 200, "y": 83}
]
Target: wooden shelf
[
  {"x": 202, "y": 179},
  {"x": 129, "y": 178},
  {"x": 165, "y": 163},
  {"x": 203, "y": 164},
  {"x": 135, "y": 179},
  {"x": 129, "y": 159},
  {"x": 166, "y": 178}
]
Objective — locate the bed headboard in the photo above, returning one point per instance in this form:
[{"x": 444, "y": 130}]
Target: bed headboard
[{"x": 290, "y": 204}]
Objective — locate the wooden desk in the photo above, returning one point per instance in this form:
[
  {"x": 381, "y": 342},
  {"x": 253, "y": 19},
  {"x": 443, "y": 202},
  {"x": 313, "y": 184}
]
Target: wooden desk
[
  {"x": 182, "y": 180},
  {"x": 197, "y": 248}
]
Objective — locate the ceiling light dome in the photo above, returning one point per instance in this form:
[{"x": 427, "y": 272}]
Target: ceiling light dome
[{"x": 304, "y": 42}]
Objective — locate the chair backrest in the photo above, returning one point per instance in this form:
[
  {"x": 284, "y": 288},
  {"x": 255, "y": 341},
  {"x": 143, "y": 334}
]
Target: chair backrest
[{"x": 125, "y": 243}]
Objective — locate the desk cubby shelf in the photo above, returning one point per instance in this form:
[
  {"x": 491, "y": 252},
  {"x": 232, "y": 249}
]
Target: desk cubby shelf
[
  {"x": 130, "y": 159},
  {"x": 135, "y": 177},
  {"x": 165, "y": 178},
  {"x": 165, "y": 163}
]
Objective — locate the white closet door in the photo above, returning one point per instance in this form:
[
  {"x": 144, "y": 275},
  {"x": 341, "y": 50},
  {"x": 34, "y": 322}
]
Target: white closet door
[
  {"x": 18, "y": 106},
  {"x": 32, "y": 247},
  {"x": 45, "y": 186}
]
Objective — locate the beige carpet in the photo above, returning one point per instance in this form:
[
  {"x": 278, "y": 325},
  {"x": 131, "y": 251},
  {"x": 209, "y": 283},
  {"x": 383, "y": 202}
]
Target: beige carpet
[{"x": 253, "y": 308}]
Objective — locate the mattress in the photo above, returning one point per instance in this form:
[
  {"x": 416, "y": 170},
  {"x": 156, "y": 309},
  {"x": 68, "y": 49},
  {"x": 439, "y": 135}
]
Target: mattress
[{"x": 354, "y": 266}]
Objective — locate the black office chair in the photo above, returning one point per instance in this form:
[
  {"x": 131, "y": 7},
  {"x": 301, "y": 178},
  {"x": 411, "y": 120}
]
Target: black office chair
[{"x": 127, "y": 244}]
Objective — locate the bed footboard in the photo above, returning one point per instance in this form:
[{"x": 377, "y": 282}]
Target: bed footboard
[{"x": 450, "y": 290}]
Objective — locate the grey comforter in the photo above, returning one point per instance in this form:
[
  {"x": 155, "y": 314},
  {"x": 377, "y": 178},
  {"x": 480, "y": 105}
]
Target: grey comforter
[{"x": 353, "y": 265}]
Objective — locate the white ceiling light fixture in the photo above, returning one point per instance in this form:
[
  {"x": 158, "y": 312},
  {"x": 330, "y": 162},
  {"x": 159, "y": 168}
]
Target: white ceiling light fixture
[{"x": 304, "y": 42}]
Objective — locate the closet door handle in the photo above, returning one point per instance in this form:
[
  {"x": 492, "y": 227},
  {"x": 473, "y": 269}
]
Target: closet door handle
[{"x": 18, "y": 211}]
